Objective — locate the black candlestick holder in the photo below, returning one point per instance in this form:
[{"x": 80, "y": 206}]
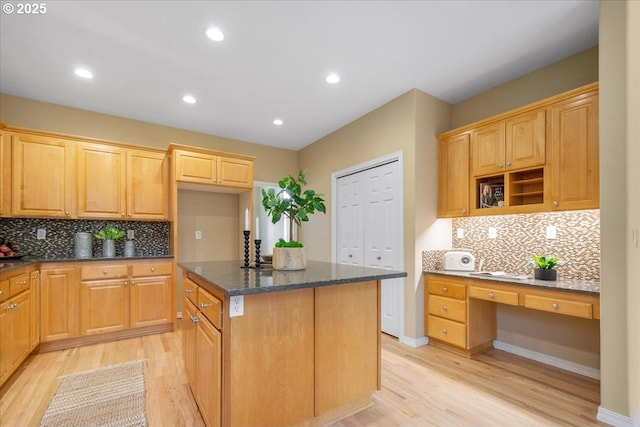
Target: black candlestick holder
[
  {"x": 257, "y": 242},
  {"x": 246, "y": 248}
]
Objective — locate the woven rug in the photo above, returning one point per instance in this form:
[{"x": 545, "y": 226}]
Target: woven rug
[{"x": 111, "y": 396}]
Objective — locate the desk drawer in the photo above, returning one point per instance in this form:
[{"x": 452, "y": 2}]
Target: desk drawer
[
  {"x": 447, "y": 289},
  {"x": 211, "y": 307},
  {"x": 488, "y": 294},
  {"x": 97, "y": 271},
  {"x": 448, "y": 308},
  {"x": 448, "y": 331},
  {"x": 561, "y": 306}
]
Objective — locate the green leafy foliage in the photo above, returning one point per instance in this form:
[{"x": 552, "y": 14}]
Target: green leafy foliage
[
  {"x": 546, "y": 262},
  {"x": 281, "y": 243},
  {"x": 291, "y": 202},
  {"x": 109, "y": 233}
]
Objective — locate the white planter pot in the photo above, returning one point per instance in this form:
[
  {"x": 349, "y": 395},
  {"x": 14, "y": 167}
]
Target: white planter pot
[{"x": 289, "y": 259}]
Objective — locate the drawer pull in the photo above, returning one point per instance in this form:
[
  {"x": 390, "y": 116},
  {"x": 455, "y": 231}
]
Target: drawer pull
[
  {"x": 133, "y": 283},
  {"x": 444, "y": 289},
  {"x": 444, "y": 331},
  {"x": 554, "y": 306},
  {"x": 188, "y": 291},
  {"x": 444, "y": 308},
  {"x": 153, "y": 269},
  {"x": 104, "y": 272},
  {"x": 24, "y": 282},
  {"x": 490, "y": 294},
  {"x": 194, "y": 319},
  {"x": 1, "y": 292},
  {"x": 203, "y": 305}
]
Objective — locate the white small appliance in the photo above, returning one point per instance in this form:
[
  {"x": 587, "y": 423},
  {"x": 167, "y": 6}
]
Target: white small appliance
[{"x": 459, "y": 261}]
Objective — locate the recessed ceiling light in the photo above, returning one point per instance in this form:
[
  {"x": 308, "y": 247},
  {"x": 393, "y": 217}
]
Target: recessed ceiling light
[
  {"x": 278, "y": 122},
  {"x": 215, "y": 34},
  {"x": 333, "y": 78},
  {"x": 189, "y": 99},
  {"x": 84, "y": 73}
]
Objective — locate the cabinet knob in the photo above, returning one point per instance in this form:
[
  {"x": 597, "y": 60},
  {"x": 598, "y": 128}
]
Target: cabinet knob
[
  {"x": 464, "y": 210},
  {"x": 35, "y": 276},
  {"x": 554, "y": 306},
  {"x": 444, "y": 331},
  {"x": 500, "y": 165},
  {"x": 122, "y": 214},
  {"x": 22, "y": 283},
  {"x": 444, "y": 308},
  {"x": 153, "y": 269},
  {"x": 490, "y": 294},
  {"x": 188, "y": 291},
  {"x": 129, "y": 214},
  {"x": 194, "y": 319},
  {"x": 133, "y": 283},
  {"x": 66, "y": 213},
  {"x": 508, "y": 164},
  {"x": 1, "y": 292},
  {"x": 350, "y": 256},
  {"x": 444, "y": 289},
  {"x": 203, "y": 305},
  {"x": 555, "y": 203},
  {"x": 104, "y": 272},
  {"x": 378, "y": 257}
]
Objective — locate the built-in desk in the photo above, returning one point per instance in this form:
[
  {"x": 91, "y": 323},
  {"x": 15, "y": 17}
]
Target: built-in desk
[{"x": 460, "y": 308}]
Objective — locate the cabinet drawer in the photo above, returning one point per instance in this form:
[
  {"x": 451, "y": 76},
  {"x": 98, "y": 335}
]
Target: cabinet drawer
[
  {"x": 447, "y": 289},
  {"x": 93, "y": 272},
  {"x": 211, "y": 307},
  {"x": 448, "y": 308},
  {"x": 190, "y": 290},
  {"x": 4, "y": 290},
  {"x": 503, "y": 297},
  {"x": 561, "y": 306},
  {"x": 152, "y": 269},
  {"x": 448, "y": 331},
  {"x": 19, "y": 283}
]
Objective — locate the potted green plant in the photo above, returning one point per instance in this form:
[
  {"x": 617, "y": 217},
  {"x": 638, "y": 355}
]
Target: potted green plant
[
  {"x": 545, "y": 266},
  {"x": 109, "y": 235},
  {"x": 295, "y": 205}
]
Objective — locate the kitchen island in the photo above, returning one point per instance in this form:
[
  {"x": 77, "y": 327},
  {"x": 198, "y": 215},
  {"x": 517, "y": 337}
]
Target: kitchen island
[{"x": 276, "y": 348}]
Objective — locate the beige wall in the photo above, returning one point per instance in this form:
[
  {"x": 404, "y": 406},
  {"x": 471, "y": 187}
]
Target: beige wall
[
  {"x": 577, "y": 70},
  {"x": 270, "y": 165},
  {"x": 619, "y": 112},
  {"x": 408, "y": 124}
]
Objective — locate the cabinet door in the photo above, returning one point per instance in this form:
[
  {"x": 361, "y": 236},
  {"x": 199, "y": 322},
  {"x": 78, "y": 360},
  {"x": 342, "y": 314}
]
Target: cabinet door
[
  {"x": 574, "y": 154},
  {"x": 150, "y": 301},
  {"x": 488, "y": 149},
  {"x": 58, "y": 303},
  {"x": 189, "y": 320},
  {"x": 147, "y": 185},
  {"x": 102, "y": 175},
  {"x": 525, "y": 140},
  {"x": 35, "y": 309},
  {"x": 453, "y": 176},
  {"x": 234, "y": 172},
  {"x": 5, "y": 174},
  {"x": 208, "y": 372},
  {"x": 14, "y": 327},
  {"x": 194, "y": 167},
  {"x": 43, "y": 176},
  {"x": 5, "y": 339},
  {"x": 104, "y": 306}
]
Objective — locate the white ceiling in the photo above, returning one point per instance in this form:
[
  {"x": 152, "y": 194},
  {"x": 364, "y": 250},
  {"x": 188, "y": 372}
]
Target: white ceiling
[{"x": 145, "y": 55}]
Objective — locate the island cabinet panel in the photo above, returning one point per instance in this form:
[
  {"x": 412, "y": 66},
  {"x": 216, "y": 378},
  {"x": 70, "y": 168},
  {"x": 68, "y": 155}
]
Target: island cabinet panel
[
  {"x": 346, "y": 319},
  {"x": 189, "y": 350},
  {"x": 270, "y": 378},
  {"x": 209, "y": 372}
]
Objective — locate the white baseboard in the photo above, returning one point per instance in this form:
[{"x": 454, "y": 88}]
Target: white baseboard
[
  {"x": 615, "y": 419},
  {"x": 179, "y": 315},
  {"x": 549, "y": 360},
  {"x": 636, "y": 419},
  {"x": 414, "y": 342}
]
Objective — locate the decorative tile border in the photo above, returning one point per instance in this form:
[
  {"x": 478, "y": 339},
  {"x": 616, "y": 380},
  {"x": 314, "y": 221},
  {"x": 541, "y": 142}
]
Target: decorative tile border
[{"x": 520, "y": 236}]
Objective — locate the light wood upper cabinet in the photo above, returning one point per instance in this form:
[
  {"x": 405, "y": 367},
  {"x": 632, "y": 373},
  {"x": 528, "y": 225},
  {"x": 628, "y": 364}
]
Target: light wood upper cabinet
[
  {"x": 120, "y": 183},
  {"x": 515, "y": 143},
  {"x": 453, "y": 179},
  {"x": 43, "y": 176},
  {"x": 213, "y": 169},
  {"x": 574, "y": 153},
  {"x": 5, "y": 173}
]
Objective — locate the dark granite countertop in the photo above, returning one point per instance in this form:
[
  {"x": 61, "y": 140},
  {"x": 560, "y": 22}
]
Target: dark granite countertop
[
  {"x": 582, "y": 286},
  {"x": 232, "y": 279},
  {"x": 11, "y": 264}
]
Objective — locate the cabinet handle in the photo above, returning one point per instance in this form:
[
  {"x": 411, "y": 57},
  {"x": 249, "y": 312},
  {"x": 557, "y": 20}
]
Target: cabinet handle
[
  {"x": 188, "y": 291},
  {"x": 490, "y": 294},
  {"x": 203, "y": 305},
  {"x": 153, "y": 269},
  {"x": 1, "y": 292},
  {"x": 378, "y": 257},
  {"x": 444, "y": 308},
  {"x": 444, "y": 331},
  {"x": 35, "y": 276},
  {"x": 555, "y": 203},
  {"x": 554, "y": 306},
  {"x": 24, "y": 282},
  {"x": 194, "y": 319},
  {"x": 508, "y": 164},
  {"x": 500, "y": 165},
  {"x": 350, "y": 256},
  {"x": 444, "y": 289}
]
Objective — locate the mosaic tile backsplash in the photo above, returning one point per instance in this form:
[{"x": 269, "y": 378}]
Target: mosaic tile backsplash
[
  {"x": 521, "y": 236},
  {"x": 151, "y": 238}
]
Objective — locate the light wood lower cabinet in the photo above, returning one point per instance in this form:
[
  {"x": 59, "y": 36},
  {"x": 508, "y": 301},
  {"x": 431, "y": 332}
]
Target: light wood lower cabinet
[
  {"x": 104, "y": 306},
  {"x": 58, "y": 302},
  {"x": 35, "y": 309}
]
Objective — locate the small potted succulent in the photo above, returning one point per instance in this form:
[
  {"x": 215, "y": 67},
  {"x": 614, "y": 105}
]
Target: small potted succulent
[
  {"x": 545, "y": 266},
  {"x": 109, "y": 235},
  {"x": 296, "y": 206}
]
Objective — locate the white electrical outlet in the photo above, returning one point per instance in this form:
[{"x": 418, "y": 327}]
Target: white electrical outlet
[
  {"x": 198, "y": 234},
  {"x": 131, "y": 234},
  {"x": 41, "y": 234},
  {"x": 551, "y": 232},
  {"x": 493, "y": 233},
  {"x": 236, "y": 306},
  {"x": 460, "y": 233}
]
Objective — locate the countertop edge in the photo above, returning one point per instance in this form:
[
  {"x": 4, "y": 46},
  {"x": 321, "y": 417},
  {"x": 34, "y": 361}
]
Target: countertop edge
[{"x": 16, "y": 264}]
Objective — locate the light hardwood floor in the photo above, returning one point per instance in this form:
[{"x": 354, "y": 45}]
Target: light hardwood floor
[{"x": 420, "y": 387}]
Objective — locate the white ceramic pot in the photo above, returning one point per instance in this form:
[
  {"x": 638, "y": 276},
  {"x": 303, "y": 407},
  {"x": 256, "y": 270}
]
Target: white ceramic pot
[{"x": 289, "y": 259}]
